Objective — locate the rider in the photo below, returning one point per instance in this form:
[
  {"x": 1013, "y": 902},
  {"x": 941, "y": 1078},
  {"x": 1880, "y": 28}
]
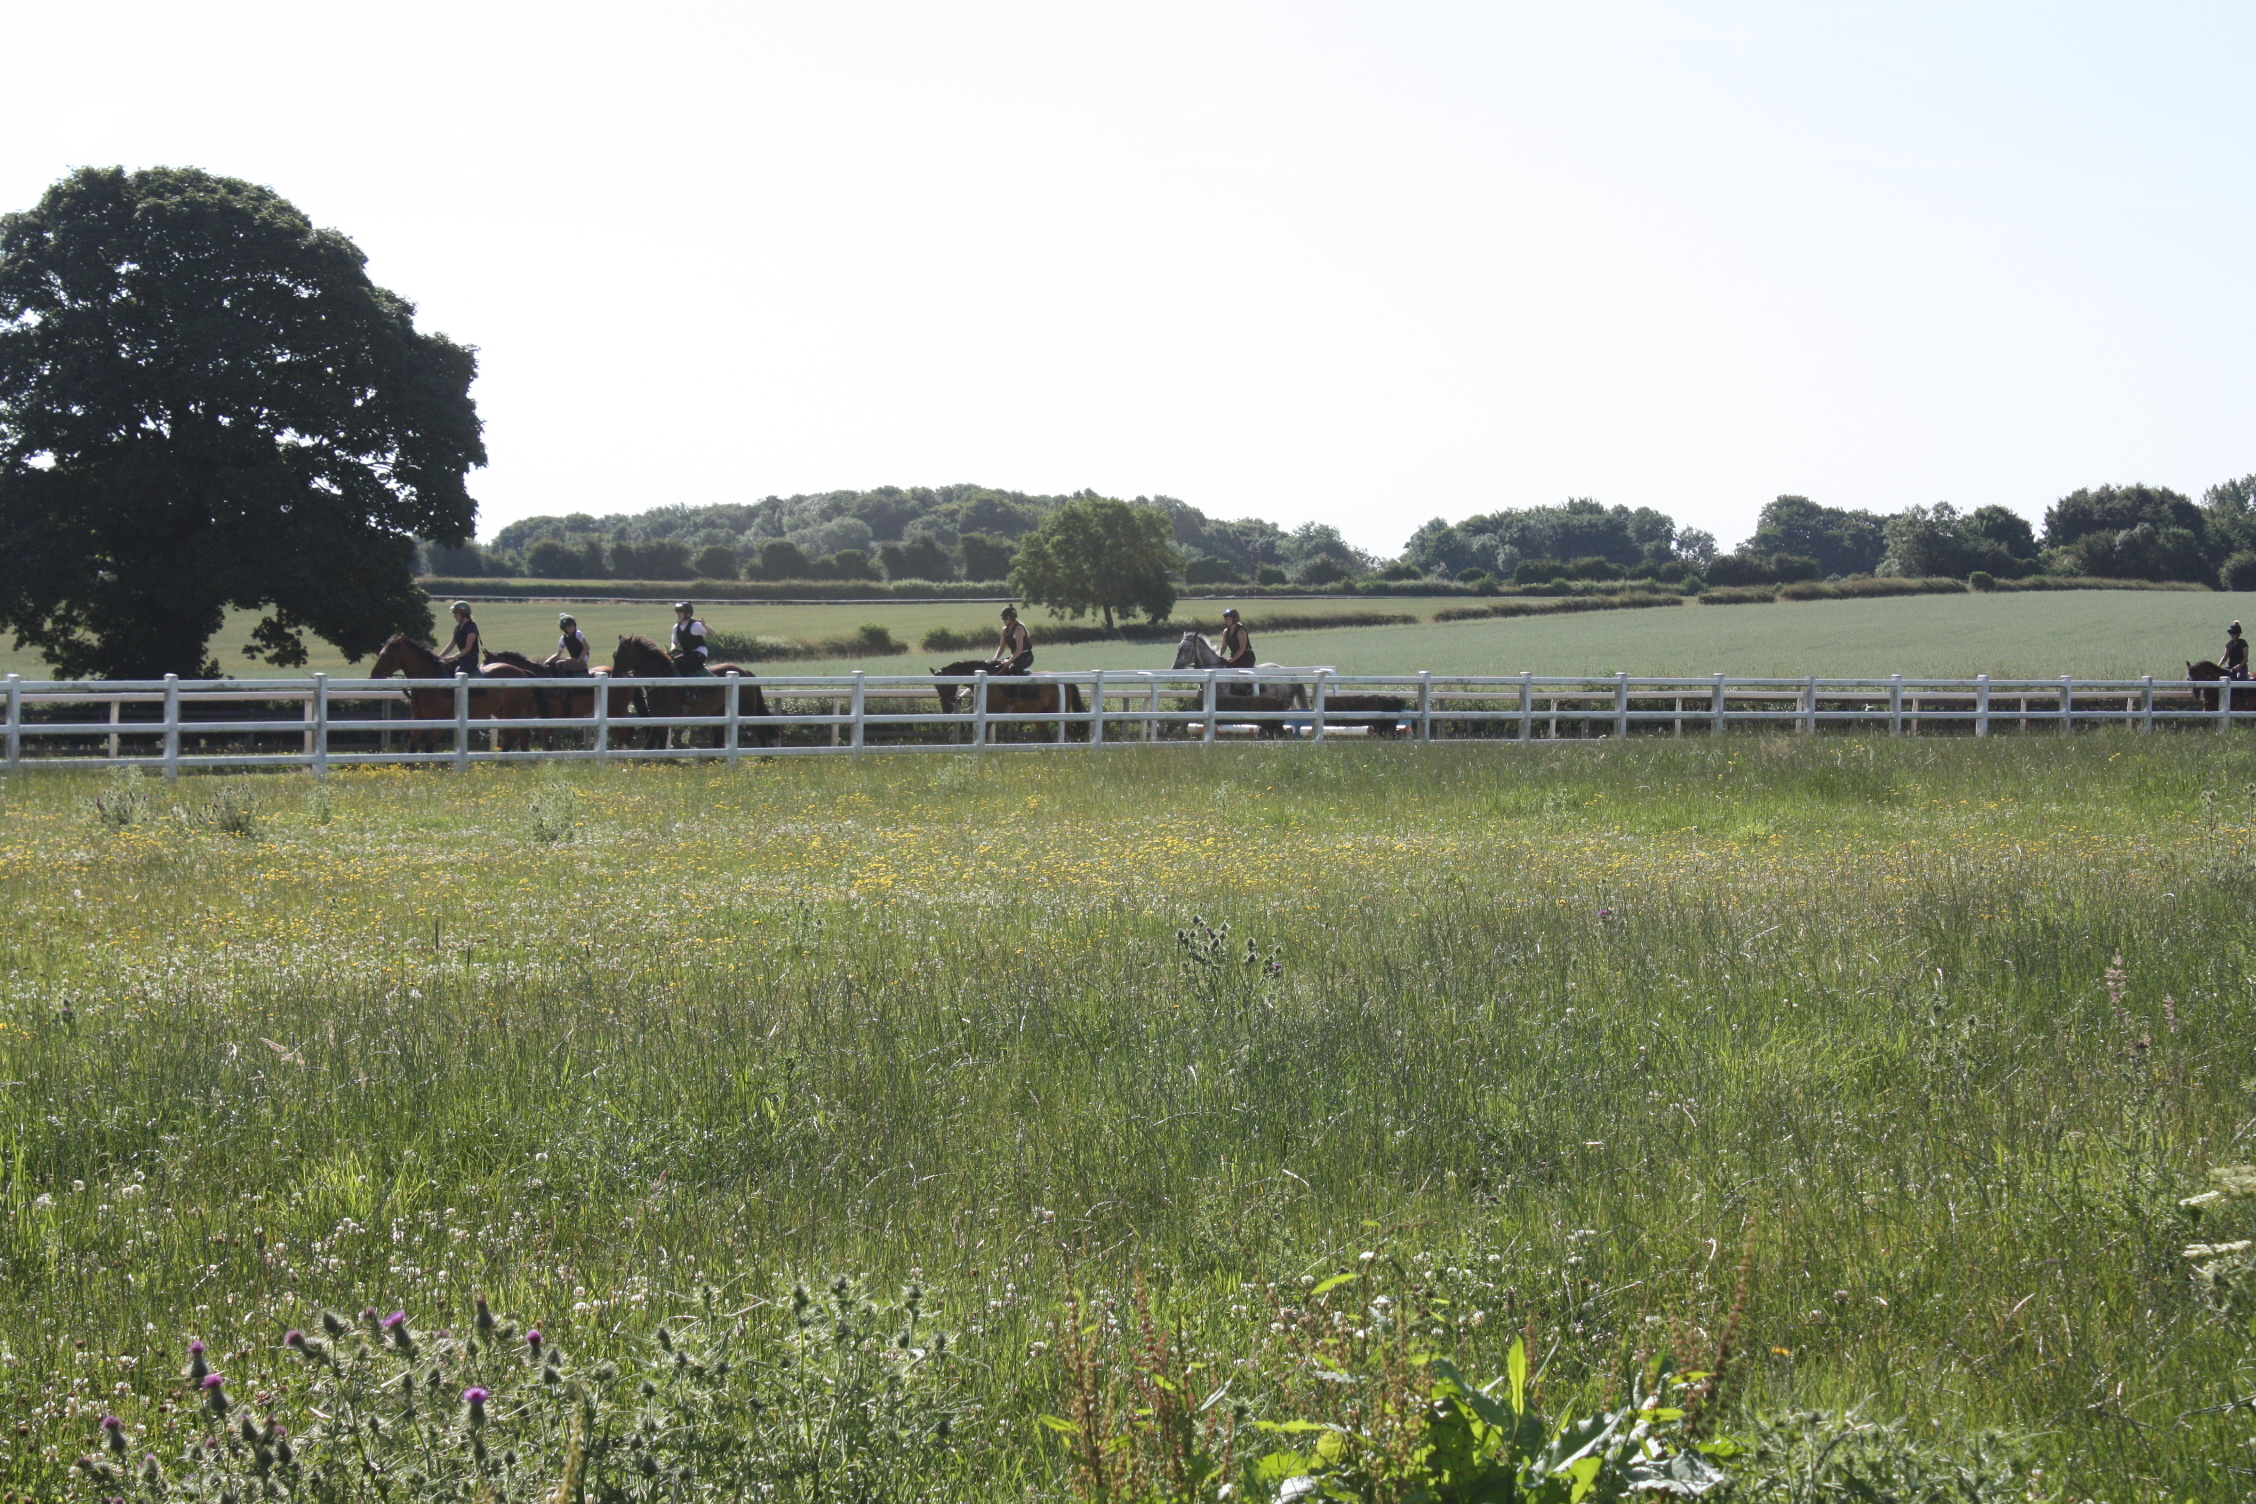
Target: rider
[
  {"x": 1237, "y": 642},
  {"x": 689, "y": 645},
  {"x": 2236, "y": 653},
  {"x": 464, "y": 653},
  {"x": 572, "y": 651},
  {"x": 1014, "y": 650}
]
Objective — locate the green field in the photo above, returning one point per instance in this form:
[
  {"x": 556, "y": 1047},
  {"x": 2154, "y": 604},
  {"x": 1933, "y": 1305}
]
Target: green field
[
  {"x": 2092, "y": 634},
  {"x": 1541, "y": 1041}
]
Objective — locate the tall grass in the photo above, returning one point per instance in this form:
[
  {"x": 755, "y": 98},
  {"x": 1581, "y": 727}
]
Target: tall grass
[{"x": 1548, "y": 1029}]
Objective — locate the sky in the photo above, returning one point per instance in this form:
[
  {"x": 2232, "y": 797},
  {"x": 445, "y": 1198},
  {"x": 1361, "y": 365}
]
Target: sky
[{"x": 1356, "y": 264}]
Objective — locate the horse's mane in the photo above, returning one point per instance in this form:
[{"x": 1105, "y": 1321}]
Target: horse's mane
[
  {"x": 962, "y": 669},
  {"x": 518, "y": 660},
  {"x": 638, "y": 651}
]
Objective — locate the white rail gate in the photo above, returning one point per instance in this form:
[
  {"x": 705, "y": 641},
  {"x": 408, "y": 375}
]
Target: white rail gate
[{"x": 322, "y": 722}]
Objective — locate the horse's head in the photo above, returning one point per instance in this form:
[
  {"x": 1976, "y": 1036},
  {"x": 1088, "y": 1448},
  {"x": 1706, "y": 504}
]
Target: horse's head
[{"x": 1192, "y": 652}]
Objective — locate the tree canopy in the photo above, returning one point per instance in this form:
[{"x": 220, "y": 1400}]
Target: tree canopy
[
  {"x": 204, "y": 403},
  {"x": 1099, "y": 554}
]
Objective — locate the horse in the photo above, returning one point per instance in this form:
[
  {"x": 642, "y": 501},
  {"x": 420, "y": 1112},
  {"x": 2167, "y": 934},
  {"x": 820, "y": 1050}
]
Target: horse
[
  {"x": 1011, "y": 693},
  {"x": 637, "y": 657},
  {"x": 2243, "y": 694},
  {"x": 1195, "y": 652},
  {"x": 560, "y": 696},
  {"x": 512, "y": 701}
]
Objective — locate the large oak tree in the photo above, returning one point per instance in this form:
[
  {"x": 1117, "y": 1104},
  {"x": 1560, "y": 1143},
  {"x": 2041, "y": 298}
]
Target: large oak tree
[{"x": 205, "y": 403}]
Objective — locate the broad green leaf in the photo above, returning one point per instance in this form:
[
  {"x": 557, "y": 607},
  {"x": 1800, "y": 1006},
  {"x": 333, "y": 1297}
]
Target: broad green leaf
[
  {"x": 1585, "y": 1474},
  {"x": 1517, "y": 1366},
  {"x": 1333, "y": 1283},
  {"x": 1059, "y": 1423}
]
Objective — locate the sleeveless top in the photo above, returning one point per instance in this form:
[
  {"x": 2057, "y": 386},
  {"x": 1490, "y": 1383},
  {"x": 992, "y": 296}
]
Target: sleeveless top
[
  {"x": 1016, "y": 639},
  {"x": 1236, "y": 640},
  {"x": 2236, "y": 652},
  {"x": 689, "y": 637},
  {"x": 573, "y": 645}
]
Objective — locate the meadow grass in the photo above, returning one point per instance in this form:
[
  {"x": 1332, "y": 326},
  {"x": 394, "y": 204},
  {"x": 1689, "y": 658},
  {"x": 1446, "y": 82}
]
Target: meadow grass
[{"x": 1556, "y": 1032}]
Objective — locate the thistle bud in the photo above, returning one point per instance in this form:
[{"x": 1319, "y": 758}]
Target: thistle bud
[
  {"x": 485, "y": 1314},
  {"x": 533, "y": 1340},
  {"x": 665, "y": 1340},
  {"x": 249, "y": 1431},
  {"x": 475, "y": 1397},
  {"x": 152, "y": 1471},
  {"x": 215, "y": 1394},
  {"x": 196, "y": 1365},
  {"x": 395, "y": 1327},
  {"x": 333, "y": 1324},
  {"x": 113, "y": 1432}
]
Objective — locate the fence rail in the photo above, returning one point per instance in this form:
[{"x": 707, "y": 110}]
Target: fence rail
[{"x": 321, "y": 722}]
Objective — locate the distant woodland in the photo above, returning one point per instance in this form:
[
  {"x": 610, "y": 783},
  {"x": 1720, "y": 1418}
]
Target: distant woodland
[{"x": 974, "y": 533}]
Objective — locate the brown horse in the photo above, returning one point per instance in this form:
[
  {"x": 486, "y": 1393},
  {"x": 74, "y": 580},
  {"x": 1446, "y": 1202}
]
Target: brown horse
[
  {"x": 637, "y": 657},
  {"x": 2243, "y": 695},
  {"x": 561, "y": 696},
  {"x": 1011, "y": 695},
  {"x": 508, "y": 701}
]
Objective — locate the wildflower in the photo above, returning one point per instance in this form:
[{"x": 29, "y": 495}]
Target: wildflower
[
  {"x": 196, "y": 1368},
  {"x": 475, "y": 1397},
  {"x": 332, "y": 1323},
  {"x": 533, "y": 1342},
  {"x": 215, "y": 1395},
  {"x": 395, "y": 1327},
  {"x": 294, "y": 1340},
  {"x": 113, "y": 1432},
  {"x": 485, "y": 1316},
  {"x": 1605, "y": 913}
]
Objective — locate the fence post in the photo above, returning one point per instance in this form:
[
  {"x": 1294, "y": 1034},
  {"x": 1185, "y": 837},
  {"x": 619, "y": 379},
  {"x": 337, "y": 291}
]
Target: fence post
[
  {"x": 979, "y": 709},
  {"x": 15, "y": 719},
  {"x": 1809, "y": 706},
  {"x": 321, "y": 725},
  {"x": 1209, "y": 728},
  {"x": 1895, "y": 704},
  {"x": 2224, "y": 705},
  {"x": 117, "y": 704},
  {"x": 1425, "y": 705},
  {"x": 2146, "y": 703},
  {"x": 735, "y": 691},
  {"x": 1322, "y": 675},
  {"x": 1527, "y": 704},
  {"x": 1096, "y": 711},
  {"x": 602, "y": 717},
  {"x": 1151, "y": 710},
  {"x": 860, "y": 702},
  {"x": 1621, "y": 706},
  {"x": 461, "y": 720},
  {"x": 172, "y": 726},
  {"x": 2067, "y": 703},
  {"x": 1981, "y": 704}
]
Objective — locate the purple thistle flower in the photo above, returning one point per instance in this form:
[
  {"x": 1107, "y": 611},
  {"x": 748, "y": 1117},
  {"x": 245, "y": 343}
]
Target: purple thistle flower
[
  {"x": 293, "y": 1338},
  {"x": 475, "y": 1396},
  {"x": 214, "y": 1380},
  {"x": 196, "y": 1347},
  {"x": 395, "y": 1321},
  {"x": 533, "y": 1341},
  {"x": 1605, "y": 913},
  {"x": 111, "y": 1423}
]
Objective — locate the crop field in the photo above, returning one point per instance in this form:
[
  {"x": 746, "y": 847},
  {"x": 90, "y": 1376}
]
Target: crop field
[
  {"x": 1876, "y": 1070},
  {"x": 2092, "y": 634}
]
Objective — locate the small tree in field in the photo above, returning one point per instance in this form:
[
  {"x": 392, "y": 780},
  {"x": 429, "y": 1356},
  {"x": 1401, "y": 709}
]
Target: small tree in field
[
  {"x": 204, "y": 403},
  {"x": 1096, "y": 554}
]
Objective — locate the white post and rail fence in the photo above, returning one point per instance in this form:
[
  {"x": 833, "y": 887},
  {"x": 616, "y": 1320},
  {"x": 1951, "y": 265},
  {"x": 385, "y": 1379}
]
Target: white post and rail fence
[{"x": 321, "y": 722}]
